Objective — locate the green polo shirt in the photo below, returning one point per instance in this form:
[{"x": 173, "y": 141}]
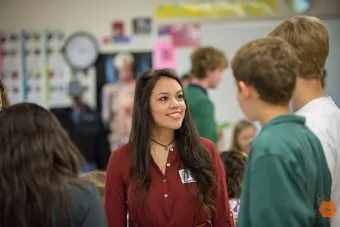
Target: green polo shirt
[
  {"x": 202, "y": 111},
  {"x": 286, "y": 175}
]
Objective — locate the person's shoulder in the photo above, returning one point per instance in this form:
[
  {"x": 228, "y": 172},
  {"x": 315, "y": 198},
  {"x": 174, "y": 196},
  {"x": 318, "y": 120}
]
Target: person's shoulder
[
  {"x": 209, "y": 145},
  {"x": 193, "y": 90},
  {"x": 206, "y": 142},
  {"x": 84, "y": 198},
  {"x": 270, "y": 141},
  {"x": 120, "y": 159},
  {"x": 82, "y": 193},
  {"x": 320, "y": 112},
  {"x": 122, "y": 152},
  {"x": 80, "y": 186}
]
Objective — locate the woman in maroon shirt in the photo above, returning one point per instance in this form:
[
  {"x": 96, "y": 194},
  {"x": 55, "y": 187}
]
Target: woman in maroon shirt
[{"x": 166, "y": 176}]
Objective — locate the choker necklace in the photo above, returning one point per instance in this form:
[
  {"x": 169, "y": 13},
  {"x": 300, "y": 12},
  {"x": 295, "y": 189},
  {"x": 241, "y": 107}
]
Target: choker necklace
[{"x": 166, "y": 147}]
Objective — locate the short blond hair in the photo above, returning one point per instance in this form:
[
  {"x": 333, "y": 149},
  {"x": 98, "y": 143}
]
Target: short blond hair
[
  {"x": 205, "y": 59},
  {"x": 271, "y": 66},
  {"x": 310, "y": 38},
  {"x": 98, "y": 178}
]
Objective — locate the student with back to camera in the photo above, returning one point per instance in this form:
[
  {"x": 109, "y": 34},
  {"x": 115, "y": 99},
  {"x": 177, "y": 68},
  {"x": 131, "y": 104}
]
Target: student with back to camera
[
  {"x": 39, "y": 173},
  {"x": 287, "y": 168},
  {"x": 166, "y": 176},
  {"x": 310, "y": 39}
]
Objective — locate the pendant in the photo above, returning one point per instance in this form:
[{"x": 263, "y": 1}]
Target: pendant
[{"x": 166, "y": 148}]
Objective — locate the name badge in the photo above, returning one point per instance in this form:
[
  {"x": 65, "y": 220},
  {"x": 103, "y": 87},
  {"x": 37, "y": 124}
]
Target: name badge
[{"x": 185, "y": 176}]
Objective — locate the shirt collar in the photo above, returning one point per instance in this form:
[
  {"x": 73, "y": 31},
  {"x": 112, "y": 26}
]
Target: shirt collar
[
  {"x": 285, "y": 118},
  {"x": 198, "y": 86},
  {"x": 314, "y": 104}
]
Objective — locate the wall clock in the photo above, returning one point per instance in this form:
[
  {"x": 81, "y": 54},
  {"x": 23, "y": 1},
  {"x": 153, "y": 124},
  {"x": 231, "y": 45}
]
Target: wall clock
[{"x": 81, "y": 50}]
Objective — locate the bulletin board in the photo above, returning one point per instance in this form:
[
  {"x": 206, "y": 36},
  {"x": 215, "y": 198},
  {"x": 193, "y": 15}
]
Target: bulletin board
[{"x": 33, "y": 68}]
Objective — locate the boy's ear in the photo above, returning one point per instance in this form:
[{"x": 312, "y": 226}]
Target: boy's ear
[
  {"x": 247, "y": 91},
  {"x": 244, "y": 89}
]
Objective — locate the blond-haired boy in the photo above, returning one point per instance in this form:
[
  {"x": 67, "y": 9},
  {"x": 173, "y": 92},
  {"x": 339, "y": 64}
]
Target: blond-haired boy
[
  {"x": 286, "y": 169},
  {"x": 310, "y": 39}
]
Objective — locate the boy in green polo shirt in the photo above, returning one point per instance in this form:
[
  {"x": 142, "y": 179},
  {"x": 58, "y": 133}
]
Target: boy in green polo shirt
[
  {"x": 207, "y": 66},
  {"x": 287, "y": 169}
]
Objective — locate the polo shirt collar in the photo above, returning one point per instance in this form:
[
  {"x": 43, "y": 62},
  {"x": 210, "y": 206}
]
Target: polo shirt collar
[
  {"x": 198, "y": 86},
  {"x": 285, "y": 118}
]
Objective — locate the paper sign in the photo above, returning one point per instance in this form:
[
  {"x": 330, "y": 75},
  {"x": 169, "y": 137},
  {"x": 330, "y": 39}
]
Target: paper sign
[
  {"x": 164, "y": 55},
  {"x": 142, "y": 26},
  {"x": 186, "y": 35}
]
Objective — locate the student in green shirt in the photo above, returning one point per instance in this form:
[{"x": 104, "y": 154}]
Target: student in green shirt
[
  {"x": 287, "y": 170},
  {"x": 207, "y": 66}
]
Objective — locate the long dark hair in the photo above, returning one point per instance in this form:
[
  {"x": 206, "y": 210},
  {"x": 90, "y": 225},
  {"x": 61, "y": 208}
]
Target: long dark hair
[
  {"x": 192, "y": 152},
  {"x": 37, "y": 161}
]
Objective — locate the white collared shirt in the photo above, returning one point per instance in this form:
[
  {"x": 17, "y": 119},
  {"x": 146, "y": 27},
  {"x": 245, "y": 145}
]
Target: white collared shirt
[{"x": 323, "y": 118}]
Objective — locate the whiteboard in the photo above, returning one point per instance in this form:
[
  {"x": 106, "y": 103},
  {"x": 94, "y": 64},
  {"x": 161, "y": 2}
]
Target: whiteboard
[{"x": 229, "y": 36}]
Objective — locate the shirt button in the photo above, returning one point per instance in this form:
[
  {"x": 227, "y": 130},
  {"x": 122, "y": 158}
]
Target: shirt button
[
  {"x": 171, "y": 149},
  {"x": 166, "y": 195},
  {"x": 168, "y": 164},
  {"x": 164, "y": 180}
]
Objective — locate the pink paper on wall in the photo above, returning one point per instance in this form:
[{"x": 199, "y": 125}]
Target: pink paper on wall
[
  {"x": 164, "y": 55},
  {"x": 186, "y": 35}
]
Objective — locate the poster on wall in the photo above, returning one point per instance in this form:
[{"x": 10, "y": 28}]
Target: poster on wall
[
  {"x": 186, "y": 35},
  {"x": 118, "y": 29},
  {"x": 142, "y": 26},
  {"x": 164, "y": 55},
  {"x": 217, "y": 9},
  {"x": 117, "y": 34}
]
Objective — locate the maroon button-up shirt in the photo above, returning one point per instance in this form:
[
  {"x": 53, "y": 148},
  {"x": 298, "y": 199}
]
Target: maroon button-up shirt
[{"x": 169, "y": 202}]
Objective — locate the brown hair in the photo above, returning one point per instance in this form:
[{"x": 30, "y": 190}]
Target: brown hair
[
  {"x": 4, "y": 99},
  {"x": 205, "y": 59},
  {"x": 38, "y": 165},
  {"x": 310, "y": 38},
  {"x": 98, "y": 178},
  {"x": 234, "y": 165},
  {"x": 239, "y": 127},
  {"x": 270, "y": 65},
  {"x": 186, "y": 76}
]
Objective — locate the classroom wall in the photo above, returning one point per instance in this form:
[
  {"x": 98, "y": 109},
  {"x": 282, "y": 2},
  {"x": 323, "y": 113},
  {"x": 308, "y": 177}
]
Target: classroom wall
[{"x": 96, "y": 17}]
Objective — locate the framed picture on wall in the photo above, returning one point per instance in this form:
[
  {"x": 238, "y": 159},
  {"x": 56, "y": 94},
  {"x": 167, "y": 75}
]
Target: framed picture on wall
[{"x": 142, "y": 26}]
